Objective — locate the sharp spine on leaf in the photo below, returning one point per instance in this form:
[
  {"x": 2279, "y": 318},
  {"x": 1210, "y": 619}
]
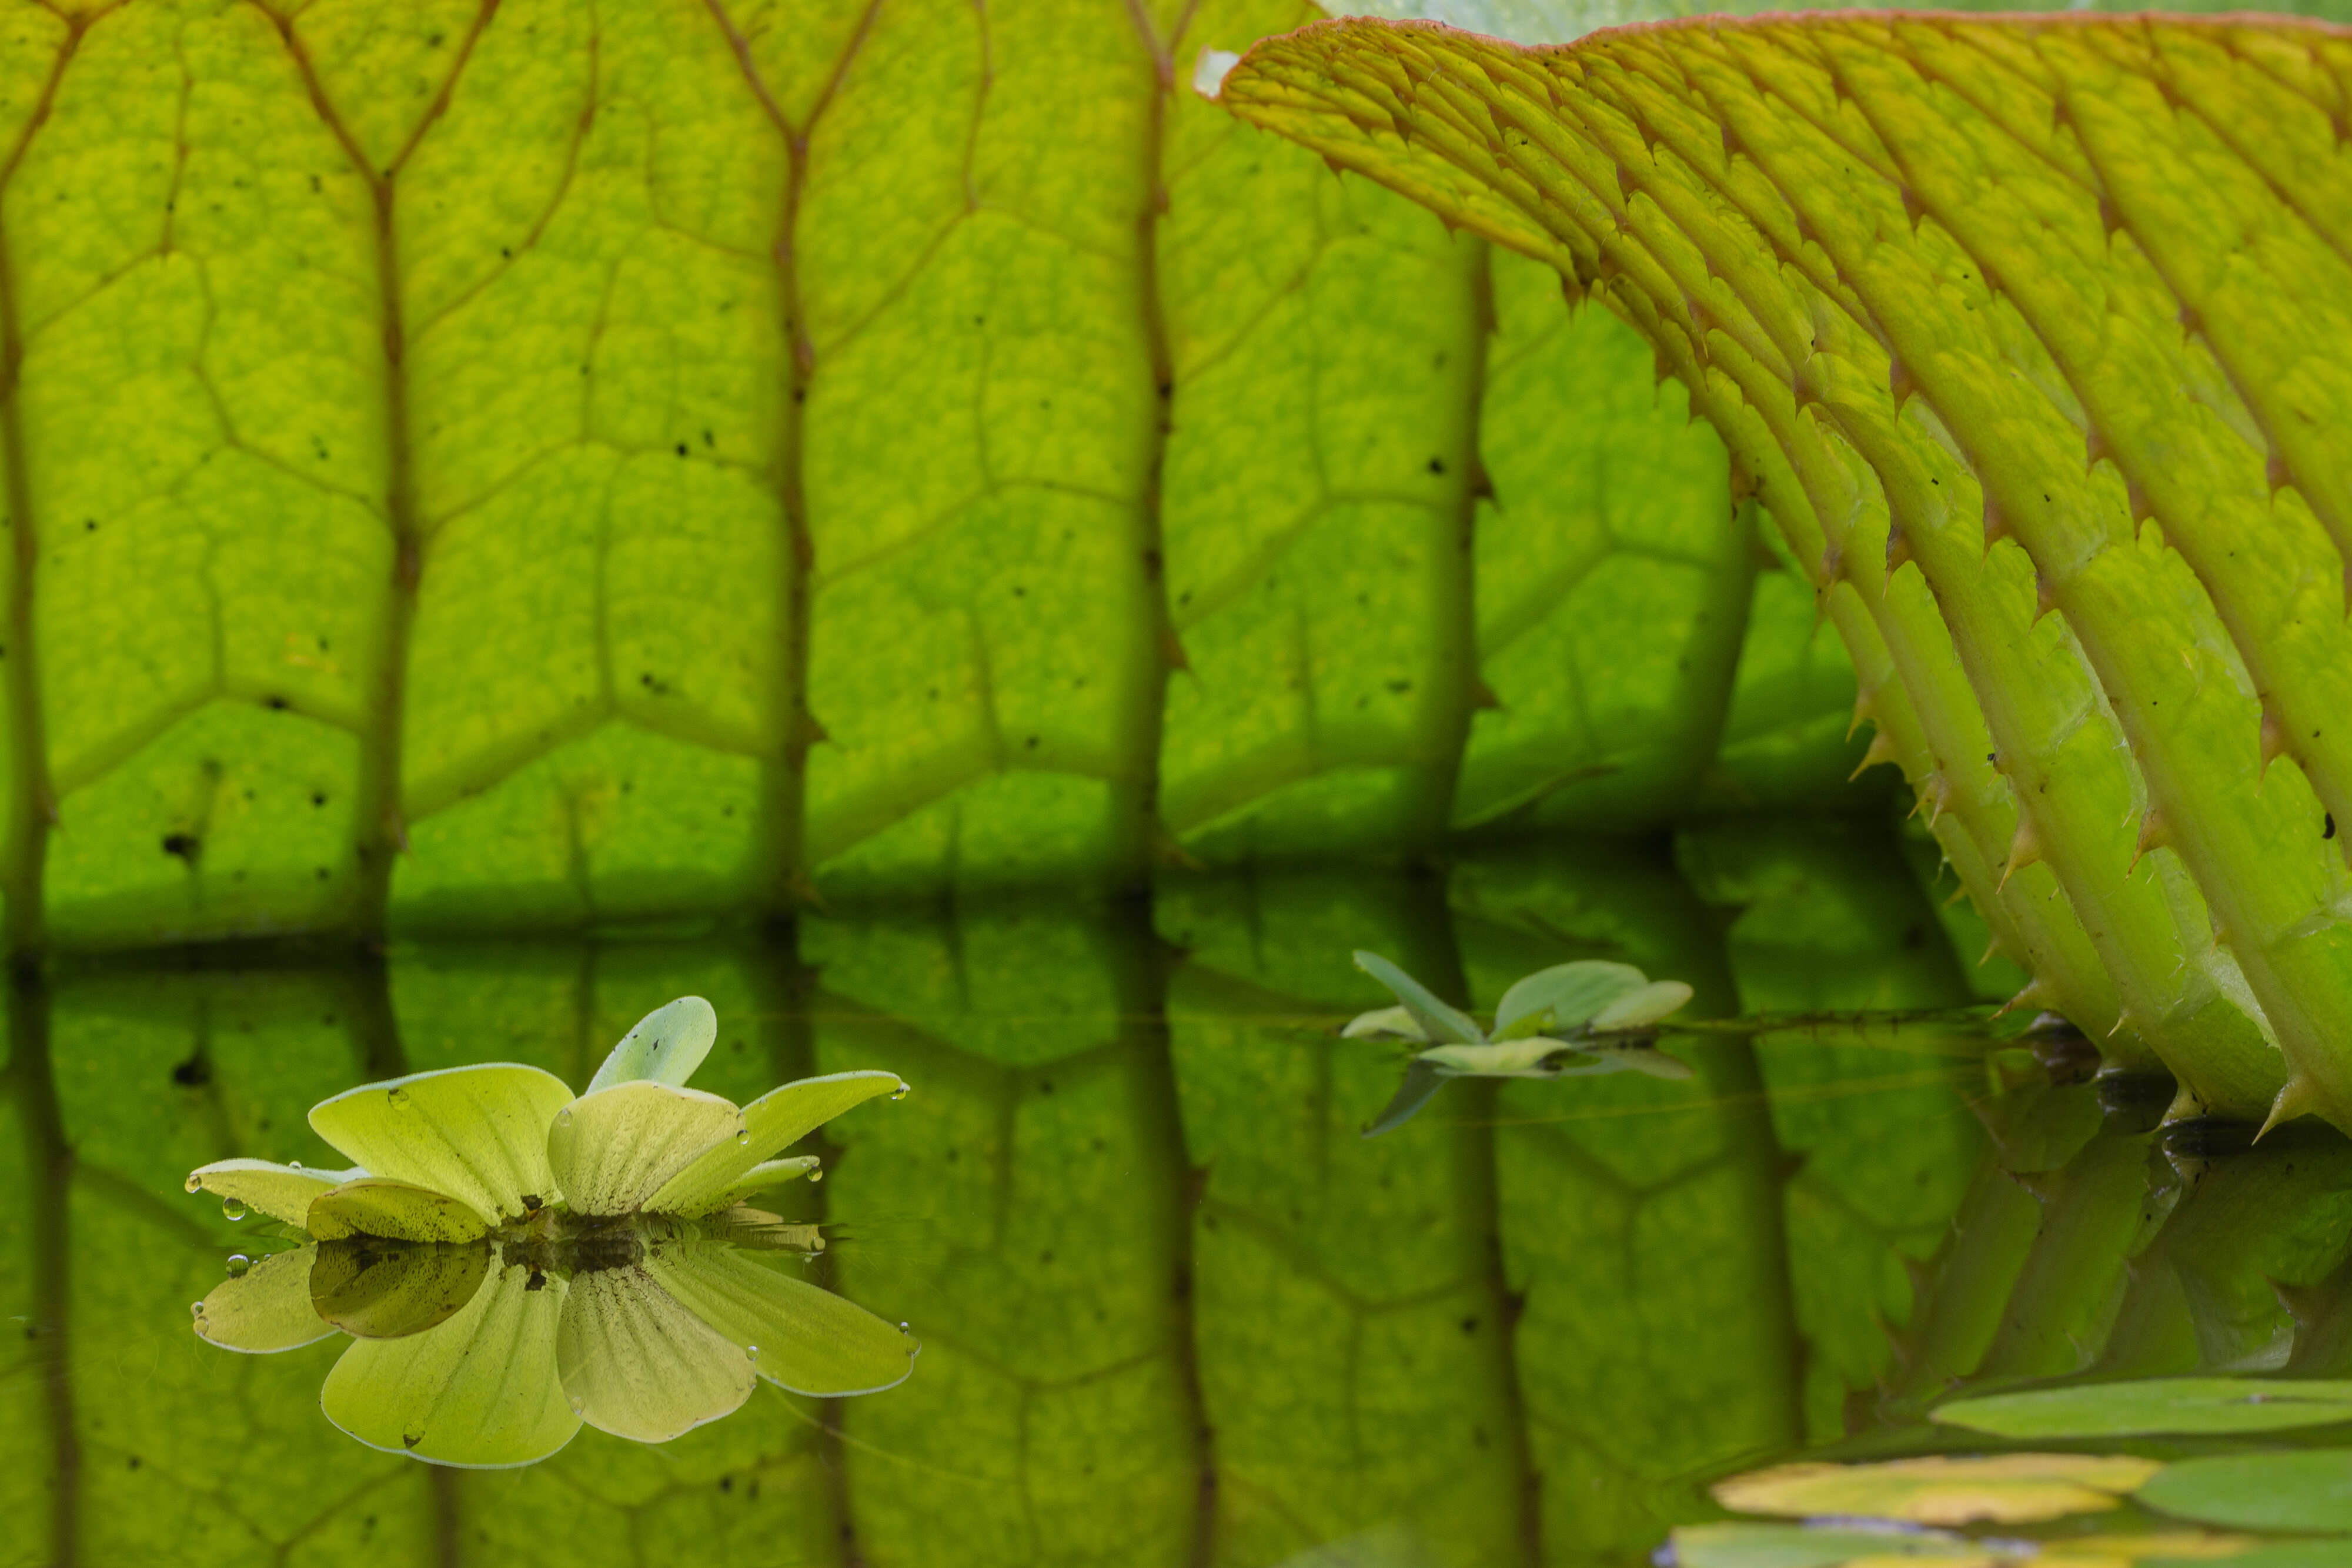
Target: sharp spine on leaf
[
  {"x": 2299, "y": 1097},
  {"x": 2153, "y": 835},
  {"x": 1898, "y": 550},
  {"x": 2274, "y": 738},
  {"x": 2045, "y": 597},
  {"x": 2274, "y": 471},
  {"x": 2033, "y": 999},
  {"x": 2095, "y": 447},
  {"x": 2023, "y": 851},
  {"x": 1899, "y": 384},
  {"x": 1913, "y": 207},
  {"x": 1996, "y": 528},
  {"x": 1882, "y": 749}
]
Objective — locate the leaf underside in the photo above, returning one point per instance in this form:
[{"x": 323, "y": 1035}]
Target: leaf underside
[
  {"x": 2001, "y": 317},
  {"x": 474, "y": 475}
]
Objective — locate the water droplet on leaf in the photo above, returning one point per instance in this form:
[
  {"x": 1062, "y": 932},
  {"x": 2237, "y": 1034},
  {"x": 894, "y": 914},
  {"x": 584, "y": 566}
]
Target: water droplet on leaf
[
  {"x": 751, "y": 1351},
  {"x": 196, "y": 1311},
  {"x": 293, "y": 1165},
  {"x": 563, "y": 1117},
  {"x": 237, "y": 1265},
  {"x": 817, "y": 1174},
  {"x": 195, "y": 1184},
  {"x": 899, "y": 1093},
  {"x": 234, "y": 1207},
  {"x": 744, "y": 1136},
  {"x": 399, "y": 1097}
]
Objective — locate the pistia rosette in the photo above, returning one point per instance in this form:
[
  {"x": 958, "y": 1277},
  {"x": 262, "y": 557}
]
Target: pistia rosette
[
  {"x": 452, "y": 1155},
  {"x": 1571, "y": 1020}
]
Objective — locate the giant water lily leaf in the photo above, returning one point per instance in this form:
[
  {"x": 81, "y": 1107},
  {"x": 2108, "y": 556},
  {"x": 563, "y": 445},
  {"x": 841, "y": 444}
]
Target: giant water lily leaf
[
  {"x": 2009, "y": 1488},
  {"x": 478, "y": 1135},
  {"x": 613, "y": 1148},
  {"x": 2308, "y": 1491},
  {"x": 264, "y": 1309},
  {"x": 480, "y": 1391},
  {"x": 2156, "y": 1406},
  {"x": 637, "y": 1364},
  {"x": 555, "y": 554},
  {"x": 666, "y": 1045},
  {"x": 772, "y": 1123},
  {"x": 1951, "y": 290}
]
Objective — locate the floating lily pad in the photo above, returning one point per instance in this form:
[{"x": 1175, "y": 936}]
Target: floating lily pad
[
  {"x": 2307, "y": 1491},
  {"x": 2006, "y": 1488},
  {"x": 2182, "y": 1404}
]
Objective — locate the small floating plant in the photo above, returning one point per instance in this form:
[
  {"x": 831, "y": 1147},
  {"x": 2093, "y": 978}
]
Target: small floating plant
[
  {"x": 1579, "y": 1019},
  {"x": 514, "y": 1261}
]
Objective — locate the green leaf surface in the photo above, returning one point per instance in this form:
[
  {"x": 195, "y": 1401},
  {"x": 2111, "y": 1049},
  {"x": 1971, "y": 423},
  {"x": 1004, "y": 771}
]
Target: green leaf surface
[
  {"x": 281, "y": 1192},
  {"x": 475, "y": 483},
  {"x": 666, "y": 1045},
  {"x": 266, "y": 1309},
  {"x": 774, "y": 1122},
  {"x": 636, "y": 1361},
  {"x": 378, "y": 1206},
  {"x": 480, "y": 1391},
  {"x": 613, "y": 1149},
  {"x": 1563, "y": 997},
  {"x": 478, "y": 1135},
  {"x": 1438, "y": 1020},
  {"x": 2157, "y": 1406},
  {"x": 2309, "y": 1490},
  {"x": 1868, "y": 249}
]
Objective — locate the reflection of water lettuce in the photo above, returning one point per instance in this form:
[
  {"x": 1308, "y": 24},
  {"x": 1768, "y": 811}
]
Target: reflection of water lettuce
[
  {"x": 496, "y": 1352},
  {"x": 514, "y": 1260}
]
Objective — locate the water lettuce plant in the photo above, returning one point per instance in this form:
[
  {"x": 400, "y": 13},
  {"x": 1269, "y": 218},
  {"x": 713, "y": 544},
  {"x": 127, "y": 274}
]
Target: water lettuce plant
[
  {"x": 1569, "y": 1020},
  {"x": 454, "y": 1154},
  {"x": 515, "y": 1260},
  {"x": 2034, "y": 337},
  {"x": 495, "y": 1352}
]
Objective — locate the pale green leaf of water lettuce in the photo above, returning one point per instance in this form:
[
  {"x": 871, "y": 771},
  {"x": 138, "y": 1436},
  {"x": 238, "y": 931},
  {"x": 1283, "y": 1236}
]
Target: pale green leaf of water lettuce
[
  {"x": 377, "y": 1290},
  {"x": 1563, "y": 997},
  {"x": 2166, "y": 1404},
  {"x": 772, "y": 1123},
  {"x": 1941, "y": 1488},
  {"x": 1422, "y": 1082},
  {"x": 666, "y": 1045},
  {"x": 799, "y": 1337},
  {"x": 379, "y": 1206},
  {"x": 264, "y": 1309},
  {"x": 1505, "y": 1059},
  {"x": 2309, "y": 1490},
  {"x": 637, "y": 1364},
  {"x": 1639, "y": 1008},
  {"x": 755, "y": 1181},
  {"x": 1437, "y": 1020},
  {"x": 478, "y": 1392},
  {"x": 613, "y": 1148},
  {"x": 1396, "y": 1023},
  {"x": 478, "y": 1134},
  {"x": 281, "y": 1192}
]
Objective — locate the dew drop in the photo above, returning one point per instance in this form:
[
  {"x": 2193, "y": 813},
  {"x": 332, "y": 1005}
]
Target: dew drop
[
  {"x": 816, "y": 1173},
  {"x": 753, "y": 1350},
  {"x": 293, "y": 1165},
  {"x": 234, "y": 1207},
  {"x": 578, "y": 1404},
  {"x": 195, "y": 1184},
  {"x": 399, "y": 1097},
  {"x": 906, "y": 1328},
  {"x": 744, "y": 1136},
  {"x": 238, "y": 1265},
  {"x": 563, "y": 1117},
  {"x": 899, "y": 1093},
  {"x": 196, "y": 1311}
]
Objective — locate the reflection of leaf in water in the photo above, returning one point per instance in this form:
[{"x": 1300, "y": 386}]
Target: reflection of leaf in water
[
  {"x": 266, "y": 1310},
  {"x": 2007, "y": 1489},
  {"x": 2307, "y": 1489},
  {"x": 801, "y": 1338},
  {"x": 1744, "y": 1545},
  {"x": 637, "y": 1364},
  {"x": 383, "y": 1289},
  {"x": 2183, "y": 1404},
  {"x": 480, "y": 1391}
]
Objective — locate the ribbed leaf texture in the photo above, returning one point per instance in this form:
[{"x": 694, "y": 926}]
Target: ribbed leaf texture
[
  {"x": 557, "y": 463},
  {"x": 2035, "y": 337}
]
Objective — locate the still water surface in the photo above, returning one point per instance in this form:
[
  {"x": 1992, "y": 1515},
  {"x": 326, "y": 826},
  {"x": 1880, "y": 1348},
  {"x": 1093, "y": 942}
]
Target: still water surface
[{"x": 1172, "y": 1307}]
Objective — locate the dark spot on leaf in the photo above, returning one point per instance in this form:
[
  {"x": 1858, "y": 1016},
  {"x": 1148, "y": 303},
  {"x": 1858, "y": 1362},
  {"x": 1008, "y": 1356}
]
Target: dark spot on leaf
[
  {"x": 193, "y": 1073},
  {"x": 1469, "y": 1326},
  {"x": 318, "y": 797},
  {"x": 681, "y": 449},
  {"x": 275, "y": 705},
  {"x": 183, "y": 845},
  {"x": 90, "y": 524},
  {"x": 2329, "y": 830},
  {"x": 1032, "y": 743},
  {"x": 1437, "y": 465},
  {"x": 408, "y": 1442}
]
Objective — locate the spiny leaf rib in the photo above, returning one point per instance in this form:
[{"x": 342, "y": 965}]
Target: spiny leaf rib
[{"x": 1931, "y": 213}]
